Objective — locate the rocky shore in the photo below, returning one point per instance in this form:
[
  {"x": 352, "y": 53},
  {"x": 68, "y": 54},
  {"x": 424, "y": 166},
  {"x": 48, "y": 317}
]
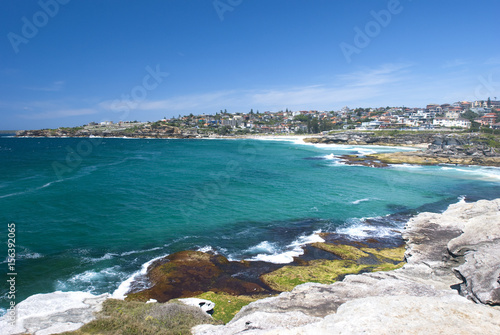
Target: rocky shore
[
  {"x": 449, "y": 285},
  {"x": 462, "y": 149}
]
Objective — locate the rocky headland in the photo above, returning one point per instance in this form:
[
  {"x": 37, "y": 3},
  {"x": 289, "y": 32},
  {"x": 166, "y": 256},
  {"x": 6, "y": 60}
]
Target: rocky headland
[
  {"x": 449, "y": 285},
  {"x": 159, "y": 131},
  {"x": 463, "y": 149}
]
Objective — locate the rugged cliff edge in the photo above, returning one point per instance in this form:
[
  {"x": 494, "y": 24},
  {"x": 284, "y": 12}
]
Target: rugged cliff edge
[{"x": 450, "y": 285}]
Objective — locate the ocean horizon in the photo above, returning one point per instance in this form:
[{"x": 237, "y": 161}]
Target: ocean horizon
[{"x": 92, "y": 213}]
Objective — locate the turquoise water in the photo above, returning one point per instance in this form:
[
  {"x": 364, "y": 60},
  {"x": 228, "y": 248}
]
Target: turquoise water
[{"x": 89, "y": 213}]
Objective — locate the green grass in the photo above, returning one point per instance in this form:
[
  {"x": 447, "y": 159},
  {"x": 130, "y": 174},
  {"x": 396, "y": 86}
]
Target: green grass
[
  {"x": 120, "y": 317},
  {"x": 226, "y": 305}
]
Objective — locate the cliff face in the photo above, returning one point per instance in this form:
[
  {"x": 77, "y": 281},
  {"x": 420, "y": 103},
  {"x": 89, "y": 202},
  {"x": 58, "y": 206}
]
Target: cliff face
[{"x": 450, "y": 285}]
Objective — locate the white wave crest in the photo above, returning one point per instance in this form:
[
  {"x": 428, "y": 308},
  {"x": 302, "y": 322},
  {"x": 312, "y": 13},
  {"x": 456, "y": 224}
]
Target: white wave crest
[
  {"x": 361, "y": 229},
  {"x": 273, "y": 255},
  {"x": 124, "y": 287},
  {"x": 355, "y": 202}
]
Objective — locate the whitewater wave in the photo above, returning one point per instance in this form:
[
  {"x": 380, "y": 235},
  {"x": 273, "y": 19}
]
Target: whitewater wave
[
  {"x": 92, "y": 281},
  {"x": 124, "y": 287},
  {"x": 271, "y": 253},
  {"x": 211, "y": 250},
  {"x": 106, "y": 256},
  {"x": 128, "y": 253},
  {"x": 355, "y": 202},
  {"x": 483, "y": 173},
  {"x": 364, "y": 228}
]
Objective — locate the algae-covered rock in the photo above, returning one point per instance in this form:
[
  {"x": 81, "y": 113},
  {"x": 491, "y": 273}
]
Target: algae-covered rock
[
  {"x": 317, "y": 271},
  {"x": 353, "y": 260},
  {"x": 190, "y": 273}
]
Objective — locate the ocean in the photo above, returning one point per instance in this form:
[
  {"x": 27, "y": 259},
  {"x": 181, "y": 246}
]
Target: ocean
[{"x": 91, "y": 214}]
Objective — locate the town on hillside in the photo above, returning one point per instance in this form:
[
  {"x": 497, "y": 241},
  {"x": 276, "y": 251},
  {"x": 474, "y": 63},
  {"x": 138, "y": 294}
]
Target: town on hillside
[{"x": 462, "y": 115}]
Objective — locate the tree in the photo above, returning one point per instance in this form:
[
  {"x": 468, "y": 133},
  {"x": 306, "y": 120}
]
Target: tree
[
  {"x": 470, "y": 115},
  {"x": 488, "y": 103}
]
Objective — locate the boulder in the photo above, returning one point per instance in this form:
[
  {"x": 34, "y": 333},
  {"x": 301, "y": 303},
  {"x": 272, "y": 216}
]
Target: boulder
[{"x": 206, "y": 306}]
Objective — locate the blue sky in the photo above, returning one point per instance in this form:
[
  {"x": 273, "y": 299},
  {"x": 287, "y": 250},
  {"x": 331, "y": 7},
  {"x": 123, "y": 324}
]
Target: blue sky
[{"x": 70, "y": 62}]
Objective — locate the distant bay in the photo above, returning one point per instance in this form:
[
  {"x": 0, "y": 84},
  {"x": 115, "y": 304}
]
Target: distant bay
[{"x": 90, "y": 212}]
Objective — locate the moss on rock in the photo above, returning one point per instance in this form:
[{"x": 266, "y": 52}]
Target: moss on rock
[
  {"x": 317, "y": 271},
  {"x": 343, "y": 251},
  {"x": 354, "y": 260}
]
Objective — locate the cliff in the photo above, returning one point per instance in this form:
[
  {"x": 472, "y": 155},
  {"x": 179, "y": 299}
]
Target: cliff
[{"x": 449, "y": 285}]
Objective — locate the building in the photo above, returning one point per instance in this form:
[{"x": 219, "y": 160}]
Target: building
[
  {"x": 488, "y": 119},
  {"x": 445, "y": 122}
]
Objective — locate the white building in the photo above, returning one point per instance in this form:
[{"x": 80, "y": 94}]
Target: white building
[{"x": 445, "y": 122}]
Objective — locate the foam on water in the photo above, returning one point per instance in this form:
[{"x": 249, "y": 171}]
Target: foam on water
[
  {"x": 361, "y": 229},
  {"x": 92, "y": 281},
  {"x": 272, "y": 254},
  {"x": 355, "y": 202},
  {"x": 106, "y": 256},
  {"x": 127, "y": 253},
  {"x": 124, "y": 288}
]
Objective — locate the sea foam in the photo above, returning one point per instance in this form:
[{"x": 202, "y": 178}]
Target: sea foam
[{"x": 272, "y": 254}]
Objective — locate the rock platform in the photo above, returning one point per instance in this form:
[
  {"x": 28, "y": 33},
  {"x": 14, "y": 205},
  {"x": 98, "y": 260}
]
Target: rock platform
[{"x": 449, "y": 285}]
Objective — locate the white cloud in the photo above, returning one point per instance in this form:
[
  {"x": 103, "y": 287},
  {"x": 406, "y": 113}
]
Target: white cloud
[
  {"x": 62, "y": 113},
  {"x": 454, "y": 63},
  {"x": 53, "y": 87},
  {"x": 357, "y": 86}
]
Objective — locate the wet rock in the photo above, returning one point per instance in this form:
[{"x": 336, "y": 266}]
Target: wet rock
[{"x": 189, "y": 273}]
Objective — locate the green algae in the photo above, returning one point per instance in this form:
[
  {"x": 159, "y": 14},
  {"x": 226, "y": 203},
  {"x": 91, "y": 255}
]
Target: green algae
[
  {"x": 317, "y": 271},
  {"x": 341, "y": 250},
  {"x": 354, "y": 260}
]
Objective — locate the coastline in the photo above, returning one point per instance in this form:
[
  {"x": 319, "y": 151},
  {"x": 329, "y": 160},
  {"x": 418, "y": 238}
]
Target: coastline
[
  {"x": 431, "y": 148},
  {"x": 381, "y": 285},
  {"x": 300, "y": 138},
  {"x": 449, "y": 285}
]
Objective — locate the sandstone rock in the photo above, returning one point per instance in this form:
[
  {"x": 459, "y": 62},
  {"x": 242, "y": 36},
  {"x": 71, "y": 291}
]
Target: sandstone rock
[
  {"x": 479, "y": 245},
  {"x": 257, "y": 323},
  {"x": 420, "y": 298},
  {"x": 404, "y": 315},
  {"x": 206, "y": 306},
  {"x": 53, "y": 313}
]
